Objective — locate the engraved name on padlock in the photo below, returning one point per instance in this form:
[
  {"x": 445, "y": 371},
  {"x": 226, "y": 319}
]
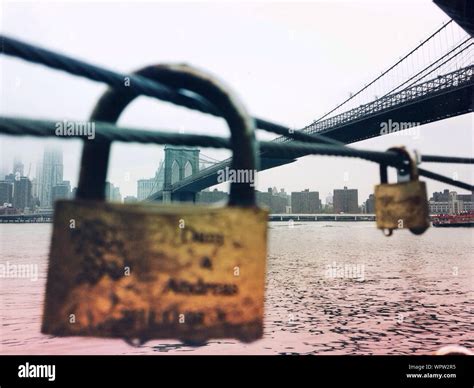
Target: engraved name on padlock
[
  {"x": 404, "y": 204},
  {"x": 148, "y": 271}
]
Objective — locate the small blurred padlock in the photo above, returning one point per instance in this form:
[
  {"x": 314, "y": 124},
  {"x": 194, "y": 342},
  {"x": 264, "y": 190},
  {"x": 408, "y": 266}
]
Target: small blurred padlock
[
  {"x": 148, "y": 271},
  {"x": 402, "y": 205}
]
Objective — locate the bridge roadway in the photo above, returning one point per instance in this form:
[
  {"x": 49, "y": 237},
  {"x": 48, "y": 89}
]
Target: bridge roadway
[{"x": 436, "y": 99}]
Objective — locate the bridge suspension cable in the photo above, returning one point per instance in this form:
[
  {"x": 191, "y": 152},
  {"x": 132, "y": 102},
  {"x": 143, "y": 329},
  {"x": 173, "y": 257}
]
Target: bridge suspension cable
[
  {"x": 419, "y": 76},
  {"x": 384, "y": 72},
  {"x": 446, "y": 40},
  {"x": 138, "y": 85},
  {"x": 110, "y": 132},
  {"x": 141, "y": 85},
  {"x": 207, "y": 159}
]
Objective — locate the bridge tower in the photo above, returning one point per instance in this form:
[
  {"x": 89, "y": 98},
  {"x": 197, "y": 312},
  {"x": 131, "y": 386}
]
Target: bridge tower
[{"x": 180, "y": 162}]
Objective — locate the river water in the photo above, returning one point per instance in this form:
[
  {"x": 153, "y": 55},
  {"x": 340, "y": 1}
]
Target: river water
[{"x": 332, "y": 288}]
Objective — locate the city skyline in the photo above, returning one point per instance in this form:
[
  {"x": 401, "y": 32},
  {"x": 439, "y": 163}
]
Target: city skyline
[
  {"x": 113, "y": 243},
  {"x": 253, "y": 78},
  {"x": 39, "y": 192},
  {"x": 153, "y": 184}
]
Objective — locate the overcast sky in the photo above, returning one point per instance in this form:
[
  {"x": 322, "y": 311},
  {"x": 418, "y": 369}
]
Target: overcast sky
[{"x": 289, "y": 62}]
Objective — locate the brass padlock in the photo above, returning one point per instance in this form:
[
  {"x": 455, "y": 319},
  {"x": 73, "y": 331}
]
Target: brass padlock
[
  {"x": 404, "y": 204},
  {"x": 148, "y": 271}
]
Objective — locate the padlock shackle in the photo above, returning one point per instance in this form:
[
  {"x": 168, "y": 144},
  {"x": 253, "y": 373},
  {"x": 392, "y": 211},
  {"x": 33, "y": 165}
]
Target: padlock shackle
[
  {"x": 412, "y": 165},
  {"x": 413, "y": 169},
  {"x": 95, "y": 154}
]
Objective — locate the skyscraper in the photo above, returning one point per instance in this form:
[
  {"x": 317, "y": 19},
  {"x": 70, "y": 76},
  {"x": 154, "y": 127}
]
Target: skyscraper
[
  {"x": 6, "y": 192},
  {"x": 370, "y": 204},
  {"x": 49, "y": 174},
  {"x": 3, "y": 170},
  {"x": 305, "y": 202},
  {"x": 61, "y": 191},
  {"x": 146, "y": 187},
  {"x": 112, "y": 193},
  {"x": 22, "y": 193},
  {"x": 346, "y": 201},
  {"x": 18, "y": 167}
]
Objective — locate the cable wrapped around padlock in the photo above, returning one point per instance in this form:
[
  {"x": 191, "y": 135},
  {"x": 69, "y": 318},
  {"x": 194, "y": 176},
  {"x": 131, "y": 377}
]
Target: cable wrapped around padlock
[{"x": 181, "y": 77}]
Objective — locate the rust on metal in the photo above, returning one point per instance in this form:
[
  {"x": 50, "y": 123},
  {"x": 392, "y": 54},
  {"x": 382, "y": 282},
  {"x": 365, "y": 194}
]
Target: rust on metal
[
  {"x": 152, "y": 271},
  {"x": 402, "y": 205},
  {"x": 147, "y": 271}
]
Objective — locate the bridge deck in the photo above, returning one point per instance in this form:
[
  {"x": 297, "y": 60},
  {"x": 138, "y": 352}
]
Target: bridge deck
[{"x": 436, "y": 99}]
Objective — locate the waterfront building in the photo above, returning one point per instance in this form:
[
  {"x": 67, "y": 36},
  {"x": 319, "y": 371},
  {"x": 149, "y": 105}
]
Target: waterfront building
[
  {"x": 346, "y": 200},
  {"x": 370, "y": 204},
  {"x": 6, "y": 192},
  {"x": 22, "y": 198},
  {"x": 276, "y": 201},
  {"x": 49, "y": 174},
  {"x": 305, "y": 202},
  {"x": 112, "y": 193},
  {"x": 450, "y": 202},
  {"x": 207, "y": 196},
  {"x": 61, "y": 191}
]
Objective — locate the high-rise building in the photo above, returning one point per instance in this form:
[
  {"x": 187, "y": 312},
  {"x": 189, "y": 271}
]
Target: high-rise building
[
  {"x": 305, "y": 202},
  {"x": 329, "y": 199},
  {"x": 146, "y": 187},
  {"x": 109, "y": 191},
  {"x": 112, "y": 193},
  {"x": 11, "y": 178},
  {"x": 61, "y": 191},
  {"x": 207, "y": 196},
  {"x": 440, "y": 196},
  {"x": 450, "y": 202},
  {"x": 116, "y": 196},
  {"x": 370, "y": 204},
  {"x": 18, "y": 167},
  {"x": 34, "y": 189},
  {"x": 22, "y": 197},
  {"x": 346, "y": 201},
  {"x": 282, "y": 193},
  {"x": 274, "y": 200},
  {"x": 6, "y": 192},
  {"x": 49, "y": 174},
  {"x": 3, "y": 171},
  {"x": 130, "y": 199},
  {"x": 265, "y": 198}
]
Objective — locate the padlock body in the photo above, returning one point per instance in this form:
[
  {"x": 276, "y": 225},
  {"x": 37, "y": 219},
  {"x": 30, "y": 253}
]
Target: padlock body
[
  {"x": 402, "y": 205},
  {"x": 150, "y": 271}
]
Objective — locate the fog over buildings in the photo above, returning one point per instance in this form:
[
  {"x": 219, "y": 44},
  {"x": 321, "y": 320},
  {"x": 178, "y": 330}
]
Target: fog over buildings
[{"x": 289, "y": 62}]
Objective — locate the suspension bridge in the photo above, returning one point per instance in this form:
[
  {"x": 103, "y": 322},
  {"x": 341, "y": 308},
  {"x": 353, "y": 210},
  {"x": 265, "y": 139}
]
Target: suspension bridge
[{"x": 434, "y": 81}]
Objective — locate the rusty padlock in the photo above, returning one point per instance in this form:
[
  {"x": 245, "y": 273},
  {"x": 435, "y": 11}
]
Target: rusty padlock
[
  {"x": 403, "y": 204},
  {"x": 148, "y": 271}
]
